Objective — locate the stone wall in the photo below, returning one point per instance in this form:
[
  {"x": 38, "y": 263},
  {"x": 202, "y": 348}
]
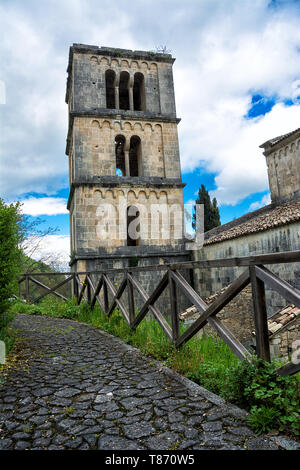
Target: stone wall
[
  {"x": 99, "y": 222},
  {"x": 281, "y": 342},
  {"x": 92, "y": 149},
  {"x": 87, "y": 91},
  {"x": 283, "y": 161},
  {"x": 284, "y": 238}
]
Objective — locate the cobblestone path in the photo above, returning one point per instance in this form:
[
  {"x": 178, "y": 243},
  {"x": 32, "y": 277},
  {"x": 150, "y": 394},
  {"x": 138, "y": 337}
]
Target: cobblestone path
[{"x": 85, "y": 389}]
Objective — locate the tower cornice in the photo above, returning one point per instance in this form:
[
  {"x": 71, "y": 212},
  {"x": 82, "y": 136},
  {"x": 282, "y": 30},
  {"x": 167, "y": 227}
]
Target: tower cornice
[
  {"x": 123, "y": 182},
  {"x": 117, "y": 115}
]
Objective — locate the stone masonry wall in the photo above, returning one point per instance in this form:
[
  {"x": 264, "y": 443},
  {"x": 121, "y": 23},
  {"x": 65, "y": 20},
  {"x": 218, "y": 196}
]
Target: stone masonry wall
[
  {"x": 281, "y": 343},
  {"x": 95, "y": 207},
  {"x": 284, "y": 170},
  {"x": 284, "y": 238},
  {"x": 88, "y": 82},
  {"x": 93, "y": 147}
]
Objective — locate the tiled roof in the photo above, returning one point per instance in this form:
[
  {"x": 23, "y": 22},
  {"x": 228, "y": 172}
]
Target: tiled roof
[
  {"x": 191, "y": 311},
  {"x": 275, "y": 140},
  {"x": 276, "y": 322},
  {"x": 281, "y": 318},
  {"x": 275, "y": 217}
]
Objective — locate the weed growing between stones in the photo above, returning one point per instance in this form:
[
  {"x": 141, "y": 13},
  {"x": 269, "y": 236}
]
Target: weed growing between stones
[{"x": 273, "y": 401}]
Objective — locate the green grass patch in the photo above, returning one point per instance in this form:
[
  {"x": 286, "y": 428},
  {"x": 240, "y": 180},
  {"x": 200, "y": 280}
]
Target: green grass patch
[{"x": 273, "y": 401}]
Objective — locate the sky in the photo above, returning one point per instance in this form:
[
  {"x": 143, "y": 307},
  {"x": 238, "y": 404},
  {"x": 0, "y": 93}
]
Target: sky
[{"x": 236, "y": 78}]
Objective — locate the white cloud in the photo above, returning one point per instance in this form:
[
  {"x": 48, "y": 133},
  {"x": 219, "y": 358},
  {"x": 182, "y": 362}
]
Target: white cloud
[
  {"x": 224, "y": 55},
  {"x": 44, "y": 206},
  {"x": 51, "y": 249},
  {"x": 266, "y": 199}
]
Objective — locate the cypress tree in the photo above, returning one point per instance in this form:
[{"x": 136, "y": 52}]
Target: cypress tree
[{"x": 211, "y": 210}]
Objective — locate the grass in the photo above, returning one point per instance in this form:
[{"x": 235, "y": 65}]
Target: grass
[{"x": 273, "y": 401}]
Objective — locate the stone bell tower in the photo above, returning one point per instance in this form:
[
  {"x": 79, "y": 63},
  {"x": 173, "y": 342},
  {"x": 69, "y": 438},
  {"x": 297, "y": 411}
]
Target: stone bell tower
[{"x": 125, "y": 203}]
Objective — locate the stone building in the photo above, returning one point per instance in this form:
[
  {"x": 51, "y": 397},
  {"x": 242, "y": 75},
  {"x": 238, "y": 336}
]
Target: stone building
[
  {"x": 273, "y": 228},
  {"x": 125, "y": 203}
]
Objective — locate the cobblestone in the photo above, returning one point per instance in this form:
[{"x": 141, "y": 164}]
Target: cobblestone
[{"x": 68, "y": 398}]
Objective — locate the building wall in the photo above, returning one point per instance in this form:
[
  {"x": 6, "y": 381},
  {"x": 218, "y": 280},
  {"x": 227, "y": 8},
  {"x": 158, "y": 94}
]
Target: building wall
[
  {"x": 284, "y": 238},
  {"x": 88, "y": 81},
  {"x": 93, "y": 147},
  {"x": 281, "y": 344},
  {"x": 93, "y": 206},
  {"x": 284, "y": 170}
]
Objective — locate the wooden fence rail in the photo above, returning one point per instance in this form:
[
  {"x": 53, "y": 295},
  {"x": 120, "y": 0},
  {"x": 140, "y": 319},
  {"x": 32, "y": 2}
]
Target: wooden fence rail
[{"x": 256, "y": 273}]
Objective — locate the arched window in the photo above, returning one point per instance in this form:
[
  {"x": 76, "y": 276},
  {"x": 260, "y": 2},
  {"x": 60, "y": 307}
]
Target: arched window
[
  {"x": 110, "y": 77},
  {"x": 124, "y": 90},
  {"x": 120, "y": 155},
  {"x": 139, "y": 92},
  {"x": 133, "y": 226},
  {"x": 135, "y": 157}
]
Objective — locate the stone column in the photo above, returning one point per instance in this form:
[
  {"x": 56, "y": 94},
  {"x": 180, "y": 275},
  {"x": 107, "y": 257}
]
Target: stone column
[
  {"x": 130, "y": 90},
  {"x": 126, "y": 153},
  {"x": 117, "y": 103}
]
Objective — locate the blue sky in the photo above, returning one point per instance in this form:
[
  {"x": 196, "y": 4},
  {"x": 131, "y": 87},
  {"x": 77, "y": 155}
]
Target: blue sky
[{"x": 236, "y": 77}]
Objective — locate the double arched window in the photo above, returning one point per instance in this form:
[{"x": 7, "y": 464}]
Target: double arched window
[
  {"x": 125, "y": 92},
  {"x": 128, "y": 156}
]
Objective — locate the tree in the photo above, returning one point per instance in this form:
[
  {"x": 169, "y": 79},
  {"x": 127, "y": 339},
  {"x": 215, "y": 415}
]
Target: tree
[
  {"x": 211, "y": 211},
  {"x": 10, "y": 238}
]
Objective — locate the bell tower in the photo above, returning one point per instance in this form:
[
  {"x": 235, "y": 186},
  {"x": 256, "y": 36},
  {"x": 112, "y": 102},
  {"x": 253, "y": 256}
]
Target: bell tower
[{"x": 125, "y": 203}]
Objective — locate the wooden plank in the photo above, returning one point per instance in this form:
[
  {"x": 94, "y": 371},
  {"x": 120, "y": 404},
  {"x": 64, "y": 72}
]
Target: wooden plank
[
  {"x": 190, "y": 293},
  {"x": 150, "y": 299},
  {"x": 156, "y": 313},
  {"x": 83, "y": 287},
  {"x": 235, "y": 345},
  {"x": 117, "y": 294},
  {"x": 260, "y": 316},
  {"x": 288, "y": 369},
  {"x": 105, "y": 296},
  {"x": 75, "y": 286},
  {"x": 40, "y": 284},
  {"x": 234, "y": 289},
  {"x": 96, "y": 291},
  {"x": 131, "y": 303},
  {"x": 270, "y": 258},
  {"x": 27, "y": 294},
  {"x": 54, "y": 288},
  {"x": 174, "y": 307},
  {"x": 282, "y": 287},
  {"x": 88, "y": 288},
  {"x": 116, "y": 301}
]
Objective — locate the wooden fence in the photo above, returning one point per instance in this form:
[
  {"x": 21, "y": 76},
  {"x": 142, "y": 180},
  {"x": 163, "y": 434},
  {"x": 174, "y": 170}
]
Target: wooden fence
[{"x": 256, "y": 273}]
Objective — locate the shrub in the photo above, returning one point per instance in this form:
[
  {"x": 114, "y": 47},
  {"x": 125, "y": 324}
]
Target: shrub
[
  {"x": 273, "y": 401},
  {"x": 10, "y": 237}
]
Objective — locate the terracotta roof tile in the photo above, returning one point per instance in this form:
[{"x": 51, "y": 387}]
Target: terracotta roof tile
[
  {"x": 276, "y": 322},
  {"x": 279, "y": 216}
]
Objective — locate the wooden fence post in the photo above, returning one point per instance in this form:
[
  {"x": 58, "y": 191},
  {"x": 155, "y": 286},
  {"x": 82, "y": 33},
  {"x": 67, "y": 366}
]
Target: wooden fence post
[
  {"x": 88, "y": 288},
  {"x": 105, "y": 296},
  {"x": 260, "y": 316},
  {"x": 75, "y": 287},
  {"x": 131, "y": 303},
  {"x": 27, "y": 294},
  {"x": 174, "y": 307}
]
